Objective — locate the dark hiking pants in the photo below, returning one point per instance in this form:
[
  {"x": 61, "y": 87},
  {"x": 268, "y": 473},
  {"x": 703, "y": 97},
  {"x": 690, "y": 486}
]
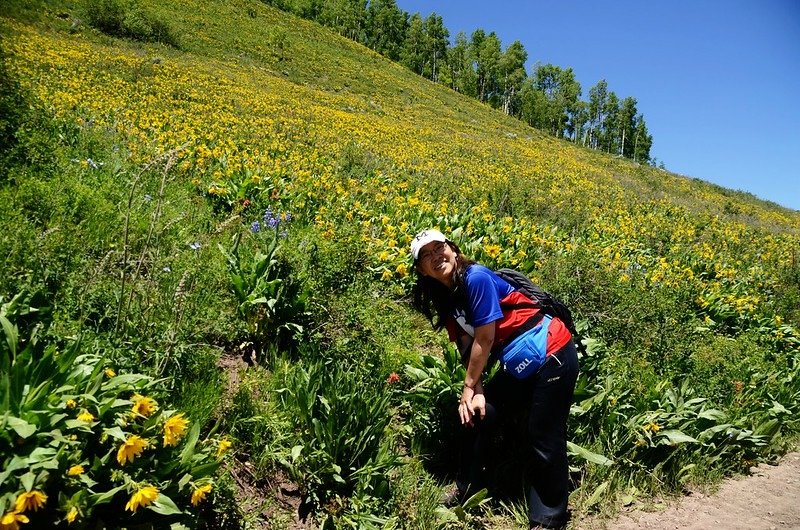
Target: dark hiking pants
[{"x": 546, "y": 398}]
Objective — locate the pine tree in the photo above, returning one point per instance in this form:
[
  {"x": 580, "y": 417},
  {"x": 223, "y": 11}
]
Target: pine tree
[{"x": 642, "y": 142}]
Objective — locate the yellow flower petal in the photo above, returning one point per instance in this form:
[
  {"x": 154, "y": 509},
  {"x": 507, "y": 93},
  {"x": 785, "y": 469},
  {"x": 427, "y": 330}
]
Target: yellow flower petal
[
  {"x": 175, "y": 429},
  {"x": 76, "y": 470},
  {"x": 30, "y": 500},
  {"x": 130, "y": 449},
  {"x": 143, "y": 497},
  {"x": 200, "y": 493}
]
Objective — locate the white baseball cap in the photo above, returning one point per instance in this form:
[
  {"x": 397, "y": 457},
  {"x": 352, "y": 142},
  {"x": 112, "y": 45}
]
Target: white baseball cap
[{"x": 423, "y": 238}]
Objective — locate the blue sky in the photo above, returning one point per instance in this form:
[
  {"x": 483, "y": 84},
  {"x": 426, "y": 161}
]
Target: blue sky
[{"x": 718, "y": 81}]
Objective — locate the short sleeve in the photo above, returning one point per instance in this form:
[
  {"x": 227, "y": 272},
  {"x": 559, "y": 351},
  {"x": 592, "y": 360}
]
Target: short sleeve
[{"x": 483, "y": 297}]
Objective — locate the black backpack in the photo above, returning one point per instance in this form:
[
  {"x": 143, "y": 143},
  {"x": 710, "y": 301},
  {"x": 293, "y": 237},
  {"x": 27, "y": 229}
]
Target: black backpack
[{"x": 549, "y": 304}]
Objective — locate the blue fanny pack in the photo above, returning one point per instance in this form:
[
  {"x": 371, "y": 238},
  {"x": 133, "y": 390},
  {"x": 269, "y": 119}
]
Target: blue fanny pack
[{"x": 526, "y": 353}]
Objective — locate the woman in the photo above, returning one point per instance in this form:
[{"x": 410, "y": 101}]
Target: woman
[{"x": 487, "y": 319}]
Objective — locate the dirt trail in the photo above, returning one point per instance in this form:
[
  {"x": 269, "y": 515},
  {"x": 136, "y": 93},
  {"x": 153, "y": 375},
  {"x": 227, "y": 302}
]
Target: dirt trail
[{"x": 767, "y": 499}]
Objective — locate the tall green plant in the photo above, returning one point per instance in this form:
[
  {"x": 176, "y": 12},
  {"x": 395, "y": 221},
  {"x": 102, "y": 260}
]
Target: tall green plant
[
  {"x": 270, "y": 303},
  {"x": 341, "y": 448},
  {"x": 83, "y": 444}
]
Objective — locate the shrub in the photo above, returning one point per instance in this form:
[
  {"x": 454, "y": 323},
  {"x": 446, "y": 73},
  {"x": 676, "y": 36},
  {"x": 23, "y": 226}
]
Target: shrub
[
  {"x": 270, "y": 301},
  {"x": 126, "y": 18},
  {"x": 340, "y": 446},
  {"x": 81, "y": 443}
]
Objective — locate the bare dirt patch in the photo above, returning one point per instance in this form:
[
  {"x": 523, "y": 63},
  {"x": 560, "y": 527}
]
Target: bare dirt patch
[
  {"x": 266, "y": 504},
  {"x": 768, "y": 499}
]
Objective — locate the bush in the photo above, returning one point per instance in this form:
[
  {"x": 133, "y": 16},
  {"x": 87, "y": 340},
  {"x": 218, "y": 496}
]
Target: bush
[
  {"x": 81, "y": 443},
  {"x": 127, "y": 19},
  {"x": 340, "y": 447}
]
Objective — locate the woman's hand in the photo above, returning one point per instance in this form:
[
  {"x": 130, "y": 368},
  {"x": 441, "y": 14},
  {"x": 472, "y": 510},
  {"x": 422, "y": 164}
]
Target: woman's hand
[
  {"x": 472, "y": 401},
  {"x": 479, "y": 403},
  {"x": 465, "y": 405}
]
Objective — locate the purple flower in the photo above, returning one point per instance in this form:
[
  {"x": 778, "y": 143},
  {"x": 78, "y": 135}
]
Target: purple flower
[
  {"x": 255, "y": 227},
  {"x": 268, "y": 215},
  {"x": 273, "y": 222},
  {"x": 287, "y": 217}
]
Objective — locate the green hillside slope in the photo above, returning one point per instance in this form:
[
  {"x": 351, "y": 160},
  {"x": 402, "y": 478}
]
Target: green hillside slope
[{"x": 251, "y": 191}]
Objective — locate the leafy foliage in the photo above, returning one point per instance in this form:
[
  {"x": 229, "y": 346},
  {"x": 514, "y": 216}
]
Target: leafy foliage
[
  {"x": 127, "y": 18},
  {"x": 78, "y": 440}
]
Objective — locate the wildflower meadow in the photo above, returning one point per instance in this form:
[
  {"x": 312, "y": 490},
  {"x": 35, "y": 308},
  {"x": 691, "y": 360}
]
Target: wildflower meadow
[{"x": 246, "y": 189}]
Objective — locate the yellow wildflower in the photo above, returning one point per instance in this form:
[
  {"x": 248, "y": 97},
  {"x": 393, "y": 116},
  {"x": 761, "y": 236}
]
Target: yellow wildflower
[
  {"x": 10, "y": 521},
  {"x": 132, "y": 448},
  {"x": 72, "y": 514},
  {"x": 30, "y": 500},
  {"x": 175, "y": 429},
  {"x": 387, "y": 275},
  {"x": 492, "y": 250},
  {"x": 224, "y": 445},
  {"x": 76, "y": 470},
  {"x": 655, "y": 427},
  {"x": 142, "y": 497},
  {"x": 143, "y": 406},
  {"x": 402, "y": 270},
  {"x": 200, "y": 493},
  {"x": 71, "y": 404},
  {"x": 86, "y": 416},
  {"x": 110, "y": 372}
]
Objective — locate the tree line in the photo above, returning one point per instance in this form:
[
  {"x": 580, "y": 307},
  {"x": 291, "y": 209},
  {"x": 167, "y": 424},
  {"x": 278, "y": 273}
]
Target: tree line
[{"x": 548, "y": 98}]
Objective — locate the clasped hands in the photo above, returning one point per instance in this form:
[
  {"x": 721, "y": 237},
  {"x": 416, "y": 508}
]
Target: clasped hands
[{"x": 472, "y": 402}]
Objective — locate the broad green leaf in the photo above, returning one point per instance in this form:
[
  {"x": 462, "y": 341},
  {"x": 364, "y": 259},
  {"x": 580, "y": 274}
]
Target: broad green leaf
[
  {"x": 445, "y": 515},
  {"x": 87, "y": 481},
  {"x": 164, "y": 505},
  {"x": 577, "y": 450},
  {"x": 41, "y": 454},
  {"x": 20, "y": 426},
  {"x": 677, "y": 437},
  {"x": 296, "y": 450},
  {"x": 102, "y": 498},
  {"x": 205, "y": 470},
  {"x": 116, "y": 432},
  {"x": 27, "y": 480},
  {"x": 597, "y": 494},
  {"x": 475, "y": 500},
  {"x": 712, "y": 414},
  {"x": 184, "y": 481},
  {"x": 12, "y": 338},
  {"x": 191, "y": 441},
  {"x": 15, "y": 464}
]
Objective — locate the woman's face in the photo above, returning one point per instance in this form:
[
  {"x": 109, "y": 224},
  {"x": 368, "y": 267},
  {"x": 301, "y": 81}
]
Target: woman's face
[{"x": 438, "y": 260}]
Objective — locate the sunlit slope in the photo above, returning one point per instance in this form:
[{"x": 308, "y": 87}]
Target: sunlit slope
[
  {"x": 261, "y": 101},
  {"x": 249, "y": 67}
]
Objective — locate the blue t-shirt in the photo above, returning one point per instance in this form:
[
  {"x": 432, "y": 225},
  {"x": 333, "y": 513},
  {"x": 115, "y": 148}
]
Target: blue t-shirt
[{"x": 484, "y": 291}]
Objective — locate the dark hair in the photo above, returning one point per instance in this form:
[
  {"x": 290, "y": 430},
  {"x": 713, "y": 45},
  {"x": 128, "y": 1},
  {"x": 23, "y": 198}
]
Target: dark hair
[{"x": 434, "y": 299}]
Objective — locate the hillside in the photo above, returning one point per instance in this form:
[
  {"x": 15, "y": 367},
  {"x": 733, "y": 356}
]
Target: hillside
[{"x": 132, "y": 161}]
